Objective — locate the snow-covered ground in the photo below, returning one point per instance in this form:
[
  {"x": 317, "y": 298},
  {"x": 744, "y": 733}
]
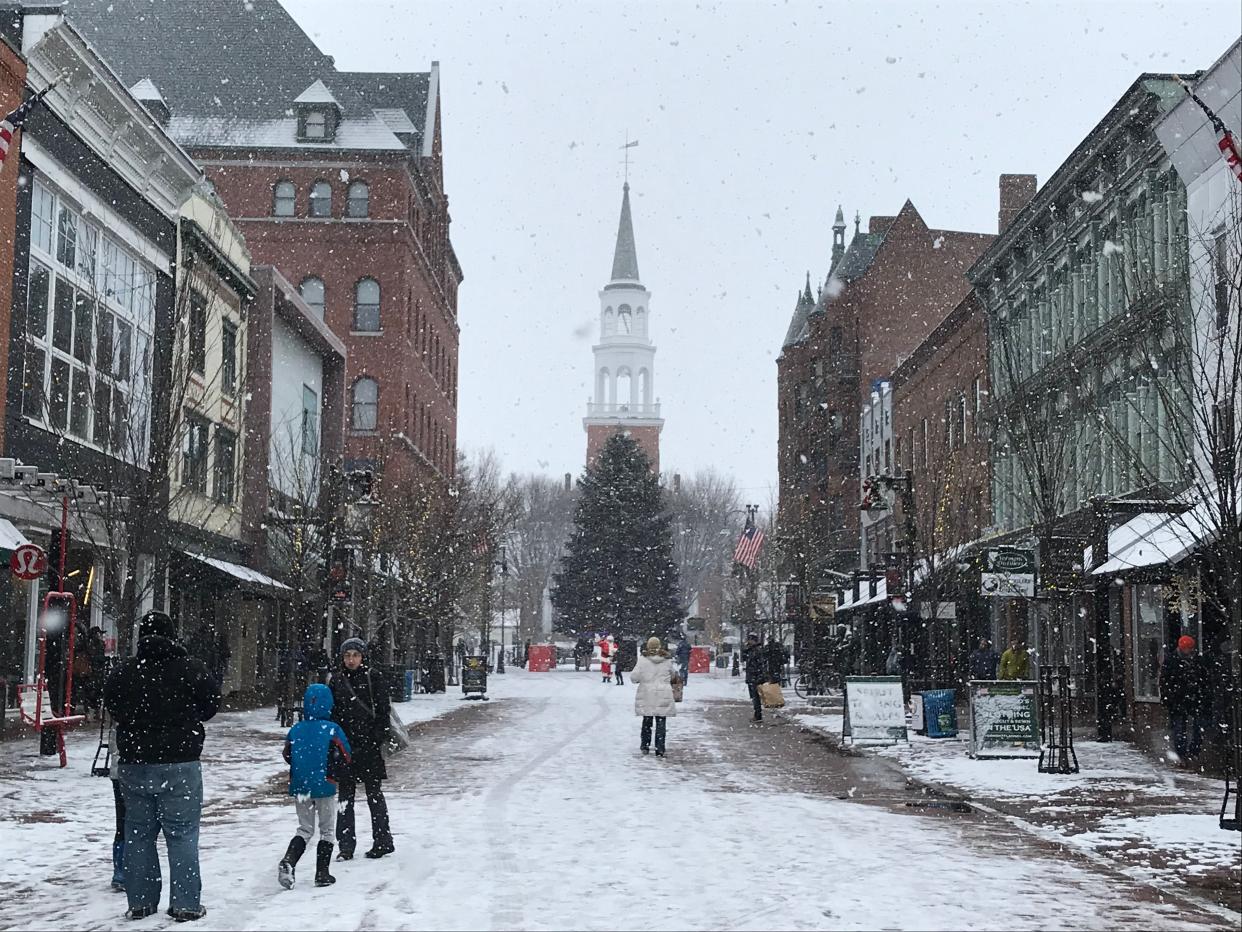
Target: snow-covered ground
[{"x": 536, "y": 811}]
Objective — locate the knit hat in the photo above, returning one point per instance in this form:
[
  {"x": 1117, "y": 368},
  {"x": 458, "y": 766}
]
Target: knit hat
[
  {"x": 357, "y": 644},
  {"x": 156, "y": 624},
  {"x": 1185, "y": 642},
  {"x": 653, "y": 645}
]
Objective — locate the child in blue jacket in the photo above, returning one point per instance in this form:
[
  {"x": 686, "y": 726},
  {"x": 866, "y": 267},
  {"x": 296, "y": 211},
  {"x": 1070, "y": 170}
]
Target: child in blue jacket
[{"x": 318, "y": 752}]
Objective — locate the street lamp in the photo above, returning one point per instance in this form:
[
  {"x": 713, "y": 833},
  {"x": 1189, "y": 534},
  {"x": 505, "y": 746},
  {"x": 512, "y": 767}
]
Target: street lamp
[{"x": 504, "y": 574}]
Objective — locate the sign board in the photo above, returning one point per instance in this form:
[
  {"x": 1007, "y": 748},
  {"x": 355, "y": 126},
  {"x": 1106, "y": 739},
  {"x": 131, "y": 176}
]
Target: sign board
[
  {"x": 823, "y": 607},
  {"x": 875, "y": 709},
  {"x": 28, "y": 562},
  {"x": 945, "y": 611},
  {"x": 793, "y": 601},
  {"x": 474, "y": 675},
  {"x": 1008, "y": 572},
  {"x": 1004, "y": 720}
]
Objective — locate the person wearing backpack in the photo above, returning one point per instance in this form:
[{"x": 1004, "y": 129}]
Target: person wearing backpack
[{"x": 361, "y": 707}]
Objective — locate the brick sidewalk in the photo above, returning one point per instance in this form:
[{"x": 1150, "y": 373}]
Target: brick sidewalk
[{"x": 1124, "y": 809}]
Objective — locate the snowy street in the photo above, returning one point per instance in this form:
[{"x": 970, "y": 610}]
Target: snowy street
[{"x": 536, "y": 811}]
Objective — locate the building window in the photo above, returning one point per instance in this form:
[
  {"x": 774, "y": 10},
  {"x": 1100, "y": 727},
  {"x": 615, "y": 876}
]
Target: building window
[
  {"x": 228, "y": 357},
  {"x": 316, "y": 125},
  {"x": 312, "y": 292},
  {"x": 284, "y": 196},
  {"x": 194, "y": 454},
  {"x": 366, "y": 404},
  {"x": 310, "y": 420},
  {"x": 1149, "y": 634},
  {"x": 1220, "y": 266},
  {"x": 197, "y": 336},
  {"x": 925, "y": 459},
  {"x": 978, "y": 407},
  {"x": 321, "y": 199},
  {"x": 367, "y": 306},
  {"x": 961, "y": 419},
  {"x": 225, "y": 485},
  {"x": 358, "y": 203}
]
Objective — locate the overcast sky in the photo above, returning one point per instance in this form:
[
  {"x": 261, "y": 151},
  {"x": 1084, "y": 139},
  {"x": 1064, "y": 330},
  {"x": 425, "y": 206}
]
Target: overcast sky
[{"x": 754, "y": 121}]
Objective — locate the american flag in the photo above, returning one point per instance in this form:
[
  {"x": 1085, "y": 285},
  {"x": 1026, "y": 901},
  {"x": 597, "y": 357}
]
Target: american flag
[
  {"x": 1225, "y": 140},
  {"x": 482, "y": 544},
  {"x": 748, "y": 545},
  {"x": 13, "y": 122}
]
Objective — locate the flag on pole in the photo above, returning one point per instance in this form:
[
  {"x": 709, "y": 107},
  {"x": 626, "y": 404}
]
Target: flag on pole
[
  {"x": 747, "y": 552},
  {"x": 1230, "y": 150},
  {"x": 482, "y": 544},
  {"x": 13, "y": 122}
]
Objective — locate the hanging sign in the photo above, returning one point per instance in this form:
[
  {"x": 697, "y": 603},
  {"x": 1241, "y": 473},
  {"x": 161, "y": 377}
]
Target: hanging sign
[
  {"x": 28, "y": 562},
  {"x": 1008, "y": 571}
]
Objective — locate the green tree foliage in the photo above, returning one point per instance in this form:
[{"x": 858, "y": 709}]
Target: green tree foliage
[{"x": 618, "y": 575}]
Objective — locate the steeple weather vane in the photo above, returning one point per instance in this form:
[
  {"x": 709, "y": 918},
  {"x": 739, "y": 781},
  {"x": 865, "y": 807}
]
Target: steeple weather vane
[{"x": 627, "y": 147}]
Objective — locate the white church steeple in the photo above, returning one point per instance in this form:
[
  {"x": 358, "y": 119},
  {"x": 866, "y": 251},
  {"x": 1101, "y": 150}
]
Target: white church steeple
[{"x": 624, "y": 397}]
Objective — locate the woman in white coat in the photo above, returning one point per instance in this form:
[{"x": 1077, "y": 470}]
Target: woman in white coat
[{"x": 654, "y": 700}]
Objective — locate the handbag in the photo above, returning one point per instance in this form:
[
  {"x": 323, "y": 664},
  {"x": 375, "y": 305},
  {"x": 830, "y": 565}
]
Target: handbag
[
  {"x": 678, "y": 686},
  {"x": 398, "y": 736},
  {"x": 771, "y": 696}
]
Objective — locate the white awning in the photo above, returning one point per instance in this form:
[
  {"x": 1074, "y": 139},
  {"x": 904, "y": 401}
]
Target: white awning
[
  {"x": 1156, "y": 538},
  {"x": 10, "y": 537},
  {"x": 243, "y": 573},
  {"x": 864, "y": 597}
]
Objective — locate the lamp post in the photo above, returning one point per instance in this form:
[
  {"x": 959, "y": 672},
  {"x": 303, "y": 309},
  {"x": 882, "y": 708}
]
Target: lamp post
[{"x": 504, "y": 574}]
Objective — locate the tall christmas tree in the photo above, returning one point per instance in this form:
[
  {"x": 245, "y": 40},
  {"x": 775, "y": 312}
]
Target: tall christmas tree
[{"x": 618, "y": 576}]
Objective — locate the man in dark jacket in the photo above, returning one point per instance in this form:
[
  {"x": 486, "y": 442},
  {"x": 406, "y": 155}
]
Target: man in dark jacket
[
  {"x": 361, "y": 707},
  {"x": 756, "y": 671},
  {"x": 983, "y": 661},
  {"x": 1185, "y": 693},
  {"x": 160, "y": 700}
]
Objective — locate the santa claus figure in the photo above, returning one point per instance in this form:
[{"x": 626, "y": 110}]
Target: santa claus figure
[{"x": 607, "y": 652}]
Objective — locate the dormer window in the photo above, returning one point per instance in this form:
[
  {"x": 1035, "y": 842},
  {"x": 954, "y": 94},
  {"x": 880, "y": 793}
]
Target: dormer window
[
  {"x": 318, "y": 114},
  {"x": 316, "y": 126}
]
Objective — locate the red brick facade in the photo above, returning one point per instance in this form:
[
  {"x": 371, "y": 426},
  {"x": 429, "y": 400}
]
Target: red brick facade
[
  {"x": 12, "y": 80},
  {"x": 648, "y": 441}
]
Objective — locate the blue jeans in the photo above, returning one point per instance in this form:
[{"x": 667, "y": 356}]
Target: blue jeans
[
  {"x": 167, "y": 796},
  {"x": 1187, "y": 735}
]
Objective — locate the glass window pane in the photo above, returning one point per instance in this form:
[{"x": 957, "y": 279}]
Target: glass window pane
[
  {"x": 283, "y": 199},
  {"x": 359, "y": 200},
  {"x": 122, "y": 352},
  {"x": 62, "y": 318},
  {"x": 321, "y": 199},
  {"x": 88, "y": 240},
  {"x": 121, "y": 444},
  {"x": 228, "y": 358},
  {"x": 80, "y": 405},
  {"x": 33, "y": 391},
  {"x": 58, "y": 395},
  {"x": 103, "y": 341},
  {"x": 42, "y": 217},
  {"x": 37, "y": 294},
  {"x": 67, "y": 238},
  {"x": 83, "y": 328},
  {"x": 312, "y": 291},
  {"x": 225, "y": 466},
  {"x": 103, "y": 413}
]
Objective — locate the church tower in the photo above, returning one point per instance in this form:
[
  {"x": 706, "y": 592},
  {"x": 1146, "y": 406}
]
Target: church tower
[{"x": 624, "y": 397}]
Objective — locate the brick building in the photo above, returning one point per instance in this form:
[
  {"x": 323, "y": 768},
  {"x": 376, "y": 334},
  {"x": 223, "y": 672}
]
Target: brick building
[
  {"x": 12, "y": 81},
  {"x": 335, "y": 179},
  {"x": 882, "y": 296}
]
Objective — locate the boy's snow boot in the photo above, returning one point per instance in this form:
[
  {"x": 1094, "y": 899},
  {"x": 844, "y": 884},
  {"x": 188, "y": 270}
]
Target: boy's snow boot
[
  {"x": 323, "y": 857},
  {"x": 118, "y": 866},
  {"x": 285, "y": 873}
]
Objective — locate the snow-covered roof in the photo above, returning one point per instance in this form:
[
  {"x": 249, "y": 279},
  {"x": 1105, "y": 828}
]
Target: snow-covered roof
[
  {"x": 146, "y": 90},
  {"x": 277, "y": 134},
  {"x": 396, "y": 119},
  {"x": 317, "y": 93},
  {"x": 1155, "y": 538},
  {"x": 237, "y": 571}
]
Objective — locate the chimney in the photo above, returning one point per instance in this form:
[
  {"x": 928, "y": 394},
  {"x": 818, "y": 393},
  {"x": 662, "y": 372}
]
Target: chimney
[{"x": 1016, "y": 191}]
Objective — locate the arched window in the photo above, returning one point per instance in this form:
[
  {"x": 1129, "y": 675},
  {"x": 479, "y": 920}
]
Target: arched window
[
  {"x": 367, "y": 306},
  {"x": 366, "y": 404},
  {"x": 321, "y": 199},
  {"x": 311, "y": 290},
  {"x": 359, "y": 201},
  {"x": 610, "y": 322},
  {"x": 283, "y": 197}
]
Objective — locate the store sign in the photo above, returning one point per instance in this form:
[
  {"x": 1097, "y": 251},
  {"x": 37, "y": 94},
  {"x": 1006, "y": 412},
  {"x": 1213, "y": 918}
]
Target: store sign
[
  {"x": 875, "y": 710},
  {"x": 1004, "y": 721},
  {"x": 28, "y": 562},
  {"x": 823, "y": 607},
  {"x": 1008, "y": 572}
]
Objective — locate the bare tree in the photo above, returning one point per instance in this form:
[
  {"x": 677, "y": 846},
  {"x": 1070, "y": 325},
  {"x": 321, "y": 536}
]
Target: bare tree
[
  {"x": 706, "y": 516},
  {"x": 542, "y": 520}
]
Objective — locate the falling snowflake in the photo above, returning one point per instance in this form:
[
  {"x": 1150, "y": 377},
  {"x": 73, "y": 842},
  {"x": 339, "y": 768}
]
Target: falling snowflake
[
  {"x": 1092, "y": 197},
  {"x": 344, "y": 176}
]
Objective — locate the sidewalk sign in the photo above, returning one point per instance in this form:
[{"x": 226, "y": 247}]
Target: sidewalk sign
[
  {"x": 1004, "y": 719},
  {"x": 875, "y": 710},
  {"x": 474, "y": 676},
  {"x": 916, "y": 713}
]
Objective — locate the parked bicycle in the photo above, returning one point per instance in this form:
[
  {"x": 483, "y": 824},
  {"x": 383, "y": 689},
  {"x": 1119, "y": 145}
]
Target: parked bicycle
[{"x": 811, "y": 681}]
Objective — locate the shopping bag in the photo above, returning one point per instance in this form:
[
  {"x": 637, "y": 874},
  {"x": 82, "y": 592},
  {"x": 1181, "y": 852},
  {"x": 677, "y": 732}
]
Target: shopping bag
[
  {"x": 398, "y": 736},
  {"x": 678, "y": 687},
  {"x": 771, "y": 696}
]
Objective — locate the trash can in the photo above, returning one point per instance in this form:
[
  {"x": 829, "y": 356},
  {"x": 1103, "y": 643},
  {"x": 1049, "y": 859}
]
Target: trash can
[
  {"x": 433, "y": 675},
  {"x": 409, "y": 685},
  {"x": 940, "y": 713}
]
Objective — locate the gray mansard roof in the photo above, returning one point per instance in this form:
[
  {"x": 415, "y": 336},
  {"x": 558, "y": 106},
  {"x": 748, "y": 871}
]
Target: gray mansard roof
[
  {"x": 230, "y": 73},
  {"x": 854, "y": 264}
]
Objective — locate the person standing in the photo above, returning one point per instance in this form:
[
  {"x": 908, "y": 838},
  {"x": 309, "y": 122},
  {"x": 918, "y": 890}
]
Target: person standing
[
  {"x": 756, "y": 672},
  {"x": 317, "y": 752},
  {"x": 653, "y": 701},
  {"x": 616, "y": 663},
  {"x": 160, "y": 699},
  {"x": 983, "y": 661},
  {"x": 361, "y": 708},
  {"x": 1186, "y": 695},
  {"x": 683, "y": 658},
  {"x": 1015, "y": 662},
  {"x": 605, "y": 658}
]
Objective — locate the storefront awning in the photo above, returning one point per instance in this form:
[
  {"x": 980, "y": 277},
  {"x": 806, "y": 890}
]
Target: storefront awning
[
  {"x": 864, "y": 597},
  {"x": 10, "y": 537},
  {"x": 1155, "y": 539},
  {"x": 243, "y": 574}
]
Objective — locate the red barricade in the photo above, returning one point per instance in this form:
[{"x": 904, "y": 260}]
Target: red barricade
[
  {"x": 542, "y": 658},
  {"x": 700, "y": 660}
]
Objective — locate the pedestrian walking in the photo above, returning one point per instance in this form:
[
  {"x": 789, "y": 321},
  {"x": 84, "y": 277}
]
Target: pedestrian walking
[
  {"x": 683, "y": 658},
  {"x": 317, "y": 751},
  {"x": 361, "y": 707},
  {"x": 756, "y": 672},
  {"x": 1186, "y": 694},
  {"x": 1015, "y": 662},
  {"x": 653, "y": 701},
  {"x": 983, "y": 661},
  {"x": 616, "y": 664},
  {"x": 160, "y": 699}
]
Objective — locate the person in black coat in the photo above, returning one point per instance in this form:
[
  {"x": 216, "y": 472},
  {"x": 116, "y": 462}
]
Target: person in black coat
[
  {"x": 1186, "y": 694},
  {"x": 756, "y": 671},
  {"x": 159, "y": 700},
  {"x": 361, "y": 707}
]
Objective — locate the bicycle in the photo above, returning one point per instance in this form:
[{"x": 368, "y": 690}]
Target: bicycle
[{"x": 812, "y": 682}]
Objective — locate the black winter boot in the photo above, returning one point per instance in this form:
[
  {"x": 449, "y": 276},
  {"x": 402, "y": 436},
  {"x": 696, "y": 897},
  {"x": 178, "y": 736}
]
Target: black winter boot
[
  {"x": 285, "y": 872},
  {"x": 323, "y": 857}
]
